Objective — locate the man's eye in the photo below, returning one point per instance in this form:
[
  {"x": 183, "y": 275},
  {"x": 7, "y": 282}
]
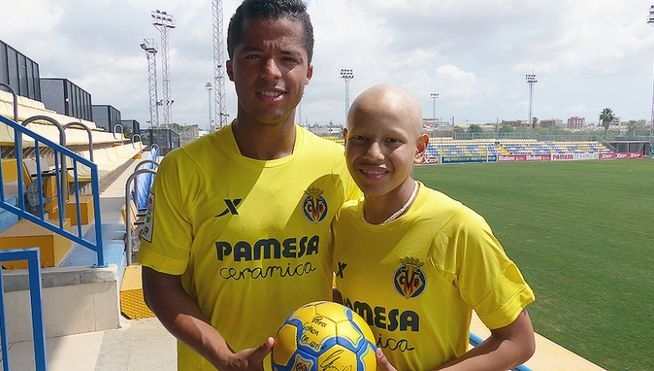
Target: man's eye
[{"x": 290, "y": 60}]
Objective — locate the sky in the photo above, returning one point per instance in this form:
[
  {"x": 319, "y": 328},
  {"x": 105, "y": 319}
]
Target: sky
[{"x": 586, "y": 55}]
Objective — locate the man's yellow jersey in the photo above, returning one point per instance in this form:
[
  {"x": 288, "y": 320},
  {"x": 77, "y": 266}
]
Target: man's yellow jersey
[{"x": 250, "y": 238}]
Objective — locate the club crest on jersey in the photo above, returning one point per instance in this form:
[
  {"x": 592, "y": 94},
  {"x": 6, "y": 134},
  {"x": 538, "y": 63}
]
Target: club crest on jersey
[
  {"x": 314, "y": 205},
  {"x": 409, "y": 279}
]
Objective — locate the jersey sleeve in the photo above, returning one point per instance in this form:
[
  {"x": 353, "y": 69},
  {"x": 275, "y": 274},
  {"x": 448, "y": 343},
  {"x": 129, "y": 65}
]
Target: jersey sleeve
[
  {"x": 167, "y": 249},
  {"x": 488, "y": 280}
]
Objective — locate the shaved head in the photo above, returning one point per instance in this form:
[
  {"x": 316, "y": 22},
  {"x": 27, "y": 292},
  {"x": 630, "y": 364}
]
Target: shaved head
[{"x": 390, "y": 100}]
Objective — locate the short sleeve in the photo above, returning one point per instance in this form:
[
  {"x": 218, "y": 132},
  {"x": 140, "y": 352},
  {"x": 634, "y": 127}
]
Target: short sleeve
[{"x": 170, "y": 233}]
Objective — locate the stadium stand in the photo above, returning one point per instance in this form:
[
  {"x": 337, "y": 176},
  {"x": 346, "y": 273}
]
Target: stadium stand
[
  {"x": 56, "y": 209},
  {"x": 479, "y": 148}
]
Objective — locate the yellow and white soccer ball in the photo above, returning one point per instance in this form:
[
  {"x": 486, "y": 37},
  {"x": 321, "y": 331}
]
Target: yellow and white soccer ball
[{"x": 324, "y": 335}]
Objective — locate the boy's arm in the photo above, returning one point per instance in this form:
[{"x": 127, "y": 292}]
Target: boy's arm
[
  {"x": 507, "y": 347},
  {"x": 182, "y": 317}
]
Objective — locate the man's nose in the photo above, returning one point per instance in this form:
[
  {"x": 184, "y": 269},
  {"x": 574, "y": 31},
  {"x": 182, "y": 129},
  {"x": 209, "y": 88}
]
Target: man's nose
[{"x": 270, "y": 69}]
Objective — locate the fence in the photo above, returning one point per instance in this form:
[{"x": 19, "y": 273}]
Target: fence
[{"x": 34, "y": 268}]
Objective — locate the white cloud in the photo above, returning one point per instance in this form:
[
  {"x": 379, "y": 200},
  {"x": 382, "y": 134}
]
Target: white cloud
[{"x": 586, "y": 55}]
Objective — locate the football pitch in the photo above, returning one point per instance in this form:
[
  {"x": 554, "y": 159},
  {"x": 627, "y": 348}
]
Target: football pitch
[{"x": 582, "y": 233}]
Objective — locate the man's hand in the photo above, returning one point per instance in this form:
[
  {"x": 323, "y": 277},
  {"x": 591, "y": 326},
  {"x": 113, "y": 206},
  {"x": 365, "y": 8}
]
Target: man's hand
[{"x": 250, "y": 359}]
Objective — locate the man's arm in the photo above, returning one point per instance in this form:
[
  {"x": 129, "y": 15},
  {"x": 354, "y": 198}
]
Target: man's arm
[
  {"x": 182, "y": 317},
  {"x": 507, "y": 347}
]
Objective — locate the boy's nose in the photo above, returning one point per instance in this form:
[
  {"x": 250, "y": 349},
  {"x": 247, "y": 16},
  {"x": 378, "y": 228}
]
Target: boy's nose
[{"x": 374, "y": 151}]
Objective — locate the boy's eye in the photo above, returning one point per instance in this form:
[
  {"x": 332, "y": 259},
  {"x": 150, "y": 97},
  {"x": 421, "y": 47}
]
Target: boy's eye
[
  {"x": 394, "y": 141},
  {"x": 358, "y": 138}
]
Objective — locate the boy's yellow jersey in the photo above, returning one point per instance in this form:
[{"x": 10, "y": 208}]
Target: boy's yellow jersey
[{"x": 417, "y": 279}]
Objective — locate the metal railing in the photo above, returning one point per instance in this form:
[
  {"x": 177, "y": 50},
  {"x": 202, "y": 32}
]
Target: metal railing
[
  {"x": 128, "y": 210},
  {"x": 60, "y": 167},
  {"x": 32, "y": 256}
]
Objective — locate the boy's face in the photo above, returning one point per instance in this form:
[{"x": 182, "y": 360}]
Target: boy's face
[
  {"x": 382, "y": 142},
  {"x": 270, "y": 69}
]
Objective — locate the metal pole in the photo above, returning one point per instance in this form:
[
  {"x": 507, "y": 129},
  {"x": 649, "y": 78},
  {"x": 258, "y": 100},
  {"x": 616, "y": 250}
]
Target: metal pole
[
  {"x": 164, "y": 21},
  {"x": 434, "y": 96},
  {"x": 208, "y": 86},
  {"x": 651, "y": 121},
  {"x": 220, "y": 115},
  {"x": 531, "y": 80},
  {"x": 650, "y": 20}
]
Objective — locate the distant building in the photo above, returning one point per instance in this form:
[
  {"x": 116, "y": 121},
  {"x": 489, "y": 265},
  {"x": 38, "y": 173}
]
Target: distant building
[
  {"x": 576, "y": 122},
  {"x": 515, "y": 123},
  {"x": 131, "y": 125},
  {"x": 105, "y": 116},
  {"x": 188, "y": 133},
  {"x": 550, "y": 123},
  {"x": 330, "y": 129},
  {"x": 19, "y": 72},
  {"x": 66, "y": 98}
]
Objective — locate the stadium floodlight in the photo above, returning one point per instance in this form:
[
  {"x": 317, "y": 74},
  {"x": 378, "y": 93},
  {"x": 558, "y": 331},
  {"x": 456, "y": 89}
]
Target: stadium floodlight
[
  {"x": 150, "y": 49},
  {"x": 347, "y": 74},
  {"x": 531, "y": 80},
  {"x": 650, "y": 20},
  {"x": 434, "y": 96},
  {"x": 163, "y": 21}
]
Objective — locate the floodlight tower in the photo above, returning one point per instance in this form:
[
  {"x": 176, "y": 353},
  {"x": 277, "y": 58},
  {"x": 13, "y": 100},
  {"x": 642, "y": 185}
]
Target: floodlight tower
[
  {"x": 218, "y": 60},
  {"x": 151, "y": 53},
  {"x": 347, "y": 74},
  {"x": 163, "y": 21},
  {"x": 531, "y": 80},
  {"x": 434, "y": 96},
  {"x": 650, "y": 20}
]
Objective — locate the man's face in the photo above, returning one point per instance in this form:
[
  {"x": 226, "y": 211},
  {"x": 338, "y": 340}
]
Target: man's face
[{"x": 270, "y": 69}]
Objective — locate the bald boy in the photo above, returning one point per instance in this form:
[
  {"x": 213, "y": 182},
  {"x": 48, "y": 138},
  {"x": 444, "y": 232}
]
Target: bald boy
[{"x": 414, "y": 262}]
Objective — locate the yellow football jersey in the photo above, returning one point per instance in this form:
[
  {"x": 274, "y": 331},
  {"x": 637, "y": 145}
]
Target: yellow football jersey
[
  {"x": 250, "y": 238},
  {"x": 417, "y": 279}
]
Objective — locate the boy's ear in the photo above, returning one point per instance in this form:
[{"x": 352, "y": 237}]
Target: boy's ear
[
  {"x": 421, "y": 148},
  {"x": 344, "y": 136}
]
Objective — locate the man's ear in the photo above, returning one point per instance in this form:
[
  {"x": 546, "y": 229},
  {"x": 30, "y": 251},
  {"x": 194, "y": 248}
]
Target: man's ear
[
  {"x": 344, "y": 136},
  {"x": 230, "y": 70},
  {"x": 421, "y": 148},
  {"x": 309, "y": 75}
]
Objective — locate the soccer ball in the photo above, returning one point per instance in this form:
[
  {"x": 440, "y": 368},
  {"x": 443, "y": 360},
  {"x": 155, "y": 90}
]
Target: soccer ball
[{"x": 324, "y": 335}]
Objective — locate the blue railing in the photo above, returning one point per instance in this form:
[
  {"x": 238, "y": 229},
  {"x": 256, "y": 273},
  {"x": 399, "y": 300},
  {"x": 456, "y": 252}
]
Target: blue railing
[
  {"x": 62, "y": 172},
  {"x": 476, "y": 340},
  {"x": 34, "y": 269}
]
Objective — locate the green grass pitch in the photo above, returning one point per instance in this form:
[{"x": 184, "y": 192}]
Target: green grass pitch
[{"x": 582, "y": 233}]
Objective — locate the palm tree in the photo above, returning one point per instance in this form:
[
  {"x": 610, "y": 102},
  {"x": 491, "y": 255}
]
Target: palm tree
[{"x": 606, "y": 117}]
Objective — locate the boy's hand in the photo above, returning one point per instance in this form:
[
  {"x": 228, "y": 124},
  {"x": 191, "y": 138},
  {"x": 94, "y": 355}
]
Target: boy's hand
[
  {"x": 382, "y": 362},
  {"x": 250, "y": 359}
]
